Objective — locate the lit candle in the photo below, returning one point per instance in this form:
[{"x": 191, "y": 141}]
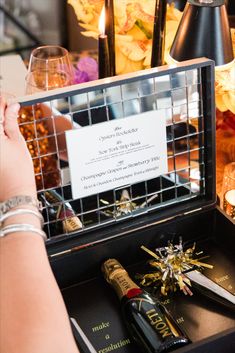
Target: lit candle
[
  {"x": 109, "y": 29},
  {"x": 104, "y": 63},
  {"x": 158, "y": 42},
  {"x": 229, "y": 203}
]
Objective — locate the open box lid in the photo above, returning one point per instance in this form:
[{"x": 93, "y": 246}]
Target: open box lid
[{"x": 161, "y": 122}]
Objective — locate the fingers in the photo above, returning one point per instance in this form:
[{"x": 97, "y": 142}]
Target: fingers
[
  {"x": 2, "y": 109},
  {"x": 10, "y": 124}
]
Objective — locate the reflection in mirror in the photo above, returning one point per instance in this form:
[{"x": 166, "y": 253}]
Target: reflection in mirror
[
  {"x": 78, "y": 102},
  {"x": 182, "y": 161},
  {"x": 138, "y": 189},
  {"x": 60, "y": 106},
  {"x": 115, "y": 111},
  {"x": 131, "y": 107},
  {"x": 154, "y": 185},
  {"x": 194, "y": 109},
  {"x": 168, "y": 115},
  {"x": 183, "y": 130},
  {"x": 146, "y": 87},
  {"x": 76, "y": 206},
  {"x": 129, "y": 91},
  {"x": 178, "y": 80},
  {"x": 180, "y": 114},
  {"x": 106, "y": 198},
  {"x": 164, "y": 100},
  {"x": 181, "y": 145},
  {"x": 123, "y": 201},
  {"x": 99, "y": 115},
  {"x": 162, "y": 83},
  {"x": 38, "y": 133},
  {"x": 50, "y": 179},
  {"x": 170, "y": 161},
  {"x": 195, "y": 177},
  {"x": 179, "y": 97},
  {"x": 28, "y": 131},
  {"x": 194, "y": 143},
  {"x": 52, "y": 148},
  {"x": 67, "y": 192},
  {"x": 193, "y": 77},
  {"x": 169, "y": 195},
  {"x": 90, "y": 219},
  {"x": 194, "y": 93},
  {"x": 148, "y": 103},
  {"x": 55, "y": 228},
  {"x": 82, "y": 118},
  {"x": 182, "y": 192},
  {"x": 169, "y": 133},
  {"x": 89, "y": 203},
  {"x": 96, "y": 99},
  {"x": 33, "y": 148},
  {"x": 113, "y": 94}
]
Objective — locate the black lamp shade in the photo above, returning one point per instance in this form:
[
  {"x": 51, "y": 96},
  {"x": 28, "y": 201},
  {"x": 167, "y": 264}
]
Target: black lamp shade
[{"x": 204, "y": 31}]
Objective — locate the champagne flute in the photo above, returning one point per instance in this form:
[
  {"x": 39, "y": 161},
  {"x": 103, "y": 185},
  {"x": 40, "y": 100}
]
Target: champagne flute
[{"x": 49, "y": 68}]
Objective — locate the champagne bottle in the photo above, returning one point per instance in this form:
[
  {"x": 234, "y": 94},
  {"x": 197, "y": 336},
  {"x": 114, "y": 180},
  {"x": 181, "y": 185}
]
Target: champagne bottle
[
  {"x": 148, "y": 321},
  {"x": 63, "y": 212}
]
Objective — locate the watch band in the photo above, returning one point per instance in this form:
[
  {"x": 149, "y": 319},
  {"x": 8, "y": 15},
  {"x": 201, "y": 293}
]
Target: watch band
[{"x": 18, "y": 201}]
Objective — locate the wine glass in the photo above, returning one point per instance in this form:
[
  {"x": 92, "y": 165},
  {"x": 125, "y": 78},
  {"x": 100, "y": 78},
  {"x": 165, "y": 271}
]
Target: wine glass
[{"x": 49, "y": 68}]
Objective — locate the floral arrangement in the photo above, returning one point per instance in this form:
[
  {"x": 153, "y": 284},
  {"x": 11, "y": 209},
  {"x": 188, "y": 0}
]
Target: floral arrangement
[
  {"x": 225, "y": 118},
  {"x": 133, "y": 41},
  {"x": 133, "y": 28},
  {"x": 225, "y": 95}
]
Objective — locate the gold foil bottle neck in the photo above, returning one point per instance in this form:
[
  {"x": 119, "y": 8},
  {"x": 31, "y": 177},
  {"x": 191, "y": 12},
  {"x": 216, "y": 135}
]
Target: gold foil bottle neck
[
  {"x": 72, "y": 224},
  {"x": 111, "y": 268},
  {"x": 118, "y": 277}
]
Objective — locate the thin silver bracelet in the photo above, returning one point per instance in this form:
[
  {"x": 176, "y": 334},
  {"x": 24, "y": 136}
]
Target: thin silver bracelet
[
  {"x": 21, "y": 211},
  {"x": 13, "y": 228}
]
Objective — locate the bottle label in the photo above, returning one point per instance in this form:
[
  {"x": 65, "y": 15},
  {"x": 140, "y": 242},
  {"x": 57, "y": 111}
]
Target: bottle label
[
  {"x": 154, "y": 316},
  {"x": 158, "y": 323}
]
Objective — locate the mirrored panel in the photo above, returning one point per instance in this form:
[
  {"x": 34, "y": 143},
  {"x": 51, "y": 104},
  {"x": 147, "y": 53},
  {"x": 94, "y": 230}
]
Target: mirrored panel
[{"x": 176, "y": 96}]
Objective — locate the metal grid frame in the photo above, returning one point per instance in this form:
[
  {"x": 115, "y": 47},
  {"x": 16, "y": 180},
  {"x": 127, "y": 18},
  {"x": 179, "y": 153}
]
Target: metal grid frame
[{"x": 177, "y": 91}]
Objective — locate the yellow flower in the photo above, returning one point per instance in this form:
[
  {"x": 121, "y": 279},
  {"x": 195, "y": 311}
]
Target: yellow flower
[
  {"x": 87, "y": 11},
  {"x": 225, "y": 84},
  {"x": 225, "y": 89},
  {"x": 133, "y": 29}
]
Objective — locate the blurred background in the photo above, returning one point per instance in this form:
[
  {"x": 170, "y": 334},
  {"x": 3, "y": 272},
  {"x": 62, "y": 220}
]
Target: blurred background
[{"x": 25, "y": 24}]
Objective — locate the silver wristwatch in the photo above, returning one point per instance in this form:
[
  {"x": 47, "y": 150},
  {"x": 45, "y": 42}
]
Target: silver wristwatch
[{"x": 15, "y": 201}]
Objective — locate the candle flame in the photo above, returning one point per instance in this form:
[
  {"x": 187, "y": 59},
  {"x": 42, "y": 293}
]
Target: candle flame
[{"x": 102, "y": 21}]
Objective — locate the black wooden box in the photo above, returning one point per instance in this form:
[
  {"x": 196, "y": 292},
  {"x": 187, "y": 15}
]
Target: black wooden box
[{"x": 181, "y": 202}]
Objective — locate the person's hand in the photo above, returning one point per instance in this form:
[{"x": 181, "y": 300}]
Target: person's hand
[{"x": 16, "y": 167}]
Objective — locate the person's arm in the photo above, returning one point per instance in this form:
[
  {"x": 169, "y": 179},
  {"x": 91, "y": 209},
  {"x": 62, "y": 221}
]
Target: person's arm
[{"x": 33, "y": 317}]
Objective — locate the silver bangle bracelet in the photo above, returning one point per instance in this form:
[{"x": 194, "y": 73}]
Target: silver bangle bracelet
[
  {"x": 21, "y": 211},
  {"x": 14, "y": 228}
]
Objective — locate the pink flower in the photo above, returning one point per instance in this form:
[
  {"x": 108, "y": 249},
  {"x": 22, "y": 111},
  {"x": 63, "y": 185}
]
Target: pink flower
[{"x": 86, "y": 70}]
